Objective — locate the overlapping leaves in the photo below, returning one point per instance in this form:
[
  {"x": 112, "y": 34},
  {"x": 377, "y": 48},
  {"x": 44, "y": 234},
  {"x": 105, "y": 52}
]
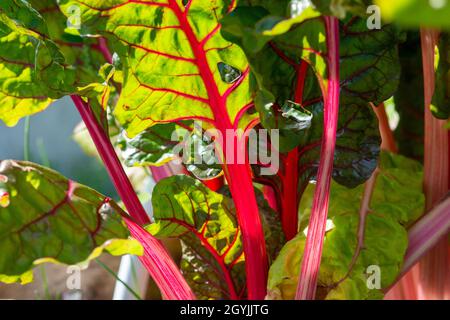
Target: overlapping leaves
[
  {"x": 369, "y": 74},
  {"x": 27, "y": 62},
  {"x": 45, "y": 217},
  {"x": 42, "y": 60},
  {"x": 176, "y": 63},
  {"x": 357, "y": 146},
  {"x": 205, "y": 221},
  {"x": 397, "y": 200}
]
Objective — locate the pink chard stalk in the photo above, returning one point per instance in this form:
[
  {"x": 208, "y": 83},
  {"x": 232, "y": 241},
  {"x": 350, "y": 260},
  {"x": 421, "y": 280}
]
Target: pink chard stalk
[
  {"x": 435, "y": 265},
  {"x": 307, "y": 285},
  {"x": 156, "y": 259}
]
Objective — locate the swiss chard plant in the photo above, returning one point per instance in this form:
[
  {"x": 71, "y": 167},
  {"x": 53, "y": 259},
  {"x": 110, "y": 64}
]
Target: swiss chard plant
[{"x": 160, "y": 84}]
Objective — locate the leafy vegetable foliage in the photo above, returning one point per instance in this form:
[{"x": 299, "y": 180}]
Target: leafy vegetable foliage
[
  {"x": 45, "y": 217},
  {"x": 344, "y": 268},
  {"x": 213, "y": 259},
  {"x": 205, "y": 221},
  {"x": 42, "y": 60},
  {"x": 195, "y": 72},
  {"x": 152, "y": 147},
  {"x": 369, "y": 73}
]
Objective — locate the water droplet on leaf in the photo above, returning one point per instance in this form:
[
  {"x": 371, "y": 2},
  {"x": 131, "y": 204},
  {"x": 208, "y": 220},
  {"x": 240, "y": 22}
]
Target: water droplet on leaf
[{"x": 228, "y": 73}]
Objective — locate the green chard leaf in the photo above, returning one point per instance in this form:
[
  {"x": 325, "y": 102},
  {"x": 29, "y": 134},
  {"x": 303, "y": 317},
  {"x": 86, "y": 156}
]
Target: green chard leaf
[
  {"x": 152, "y": 147},
  {"x": 357, "y": 146},
  {"x": 163, "y": 143},
  {"x": 195, "y": 72},
  {"x": 41, "y": 60},
  {"x": 370, "y": 73},
  {"x": 205, "y": 221},
  {"x": 45, "y": 217},
  {"x": 396, "y": 202},
  {"x": 213, "y": 256}
]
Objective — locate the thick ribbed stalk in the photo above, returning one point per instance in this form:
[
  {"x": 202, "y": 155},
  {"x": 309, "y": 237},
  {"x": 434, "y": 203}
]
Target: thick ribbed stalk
[
  {"x": 111, "y": 162},
  {"x": 241, "y": 187},
  {"x": 427, "y": 232},
  {"x": 435, "y": 264},
  {"x": 317, "y": 225}
]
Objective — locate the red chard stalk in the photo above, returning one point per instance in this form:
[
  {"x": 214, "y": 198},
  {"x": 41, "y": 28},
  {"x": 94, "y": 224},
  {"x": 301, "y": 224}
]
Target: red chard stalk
[{"x": 307, "y": 284}]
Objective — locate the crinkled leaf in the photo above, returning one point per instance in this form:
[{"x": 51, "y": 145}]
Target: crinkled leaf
[
  {"x": 152, "y": 147},
  {"x": 274, "y": 54},
  {"x": 27, "y": 61},
  {"x": 49, "y": 218},
  {"x": 162, "y": 143},
  {"x": 397, "y": 201},
  {"x": 200, "y": 158},
  {"x": 369, "y": 73},
  {"x": 415, "y": 13},
  {"x": 41, "y": 59},
  {"x": 370, "y": 69},
  {"x": 213, "y": 258},
  {"x": 205, "y": 221},
  {"x": 174, "y": 58},
  {"x": 357, "y": 146}
]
